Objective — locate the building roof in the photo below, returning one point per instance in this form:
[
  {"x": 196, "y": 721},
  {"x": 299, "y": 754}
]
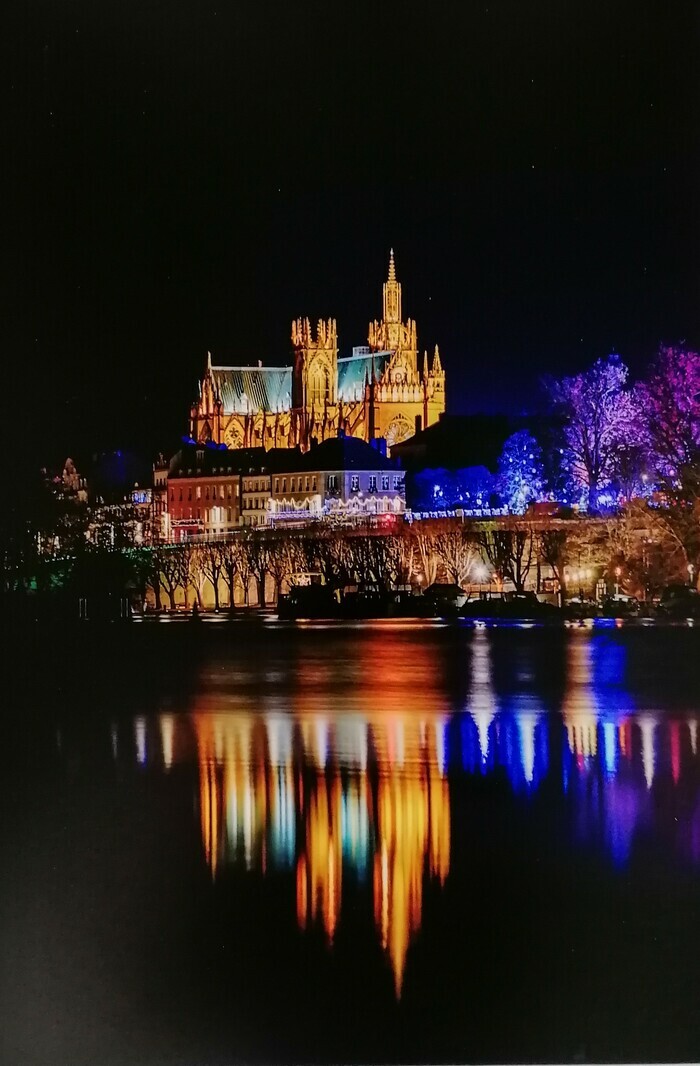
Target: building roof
[
  {"x": 202, "y": 461},
  {"x": 269, "y": 388},
  {"x": 344, "y": 453},
  {"x": 253, "y": 388},
  {"x": 354, "y": 370}
]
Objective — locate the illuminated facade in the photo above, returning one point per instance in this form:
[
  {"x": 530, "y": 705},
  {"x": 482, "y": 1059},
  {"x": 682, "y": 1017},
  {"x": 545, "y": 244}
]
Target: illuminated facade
[{"x": 378, "y": 391}]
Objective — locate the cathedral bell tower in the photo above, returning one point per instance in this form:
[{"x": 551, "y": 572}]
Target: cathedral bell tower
[{"x": 392, "y": 334}]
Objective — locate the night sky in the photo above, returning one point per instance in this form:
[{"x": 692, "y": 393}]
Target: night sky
[{"x": 185, "y": 176}]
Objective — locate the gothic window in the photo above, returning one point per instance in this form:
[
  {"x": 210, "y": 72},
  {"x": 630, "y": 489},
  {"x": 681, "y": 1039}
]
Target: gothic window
[
  {"x": 355, "y": 483},
  {"x": 318, "y": 386},
  {"x": 385, "y": 482},
  {"x": 372, "y": 482}
]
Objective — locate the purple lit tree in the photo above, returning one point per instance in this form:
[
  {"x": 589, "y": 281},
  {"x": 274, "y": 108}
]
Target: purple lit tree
[
  {"x": 601, "y": 420},
  {"x": 671, "y": 401},
  {"x": 520, "y": 478}
]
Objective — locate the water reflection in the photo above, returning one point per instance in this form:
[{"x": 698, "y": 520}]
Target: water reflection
[
  {"x": 359, "y": 797},
  {"x": 329, "y": 797}
]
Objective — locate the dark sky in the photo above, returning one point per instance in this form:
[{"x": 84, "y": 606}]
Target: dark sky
[{"x": 191, "y": 175}]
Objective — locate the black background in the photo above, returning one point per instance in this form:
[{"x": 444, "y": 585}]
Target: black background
[{"x": 186, "y": 176}]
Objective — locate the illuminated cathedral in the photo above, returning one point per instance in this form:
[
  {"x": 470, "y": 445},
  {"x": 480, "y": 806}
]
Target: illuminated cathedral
[{"x": 379, "y": 391}]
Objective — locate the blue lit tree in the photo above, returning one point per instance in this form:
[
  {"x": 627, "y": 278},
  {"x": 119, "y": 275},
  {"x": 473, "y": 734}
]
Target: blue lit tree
[{"x": 520, "y": 472}]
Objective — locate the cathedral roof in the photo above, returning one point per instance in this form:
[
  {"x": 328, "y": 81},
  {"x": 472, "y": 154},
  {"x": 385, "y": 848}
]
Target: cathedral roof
[
  {"x": 354, "y": 370},
  {"x": 253, "y": 388}
]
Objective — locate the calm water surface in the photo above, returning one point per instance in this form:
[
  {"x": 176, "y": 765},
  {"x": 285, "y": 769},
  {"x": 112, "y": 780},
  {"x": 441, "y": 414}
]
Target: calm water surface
[{"x": 363, "y": 843}]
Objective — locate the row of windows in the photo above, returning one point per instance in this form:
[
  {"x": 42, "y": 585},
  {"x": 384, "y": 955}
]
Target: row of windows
[
  {"x": 257, "y": 485},
  {"x": 301, "y": 484},
  {"x": 372, "y": 482},
  {"x": 254, "y": 503},
  {"x": 217, "y": 514},
  {"x": 306, "y": 484},
  {"x": 223, "y": 493}
]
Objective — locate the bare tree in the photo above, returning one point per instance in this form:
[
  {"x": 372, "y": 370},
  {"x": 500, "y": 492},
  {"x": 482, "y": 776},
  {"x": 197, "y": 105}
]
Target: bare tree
[
  {"x": 171, "y": 571},
  {"x": 553, "y": 551},
  {"x": 212, "y": 560},
  {"x": 510, "y": 552},
  {"x": 230, "y": 566},
  {"x": 377, "y": 559},
  {"x": 332, "y": 554},
  {"x": 424, "y": 540},
  {"x": 256, "y": 553},
  {"x": 286, "y": 557},
  {"x": 457, "y": 549}
]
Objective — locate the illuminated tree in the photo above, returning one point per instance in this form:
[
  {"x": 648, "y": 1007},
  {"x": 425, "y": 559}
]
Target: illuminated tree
[
  {"x": 424, "y": 539},
  {"x": 212, "y": 561},
  {"x": 520, "y": 478},
  {"x": 671, "y": 402},
  {"x": 456, "y": 548},
  {"x": 601, "y": 418}
]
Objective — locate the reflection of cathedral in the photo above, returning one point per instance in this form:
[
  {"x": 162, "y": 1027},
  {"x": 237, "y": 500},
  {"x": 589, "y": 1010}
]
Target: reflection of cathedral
[
  {"x": 261, "y": 806},
  {"x": 378, "y": 391}
]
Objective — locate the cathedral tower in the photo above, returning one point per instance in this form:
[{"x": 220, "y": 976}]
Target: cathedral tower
[
  {"x": 315, "y": 372},
  {"x": 392, "y": 334}
]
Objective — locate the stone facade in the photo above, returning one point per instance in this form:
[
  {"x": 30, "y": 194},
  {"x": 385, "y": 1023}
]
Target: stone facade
[{"x": 380, "y": 391}]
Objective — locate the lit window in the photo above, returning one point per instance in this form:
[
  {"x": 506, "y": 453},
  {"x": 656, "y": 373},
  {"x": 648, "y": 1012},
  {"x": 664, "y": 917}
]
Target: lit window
[
  {"x": 221, "y": 492},
  {"x": 331, "y": 482},
  {"x": 199, "y": 492}
]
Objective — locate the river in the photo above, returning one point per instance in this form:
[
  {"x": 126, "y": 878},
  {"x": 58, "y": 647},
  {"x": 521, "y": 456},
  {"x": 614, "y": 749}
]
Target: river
[{"x": 363, "y": 842}]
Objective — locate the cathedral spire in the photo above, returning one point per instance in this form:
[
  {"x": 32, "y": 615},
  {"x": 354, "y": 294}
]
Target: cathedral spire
[
  {"x": 392, "y": 267},
  {"x": 437, "y": 364}
]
